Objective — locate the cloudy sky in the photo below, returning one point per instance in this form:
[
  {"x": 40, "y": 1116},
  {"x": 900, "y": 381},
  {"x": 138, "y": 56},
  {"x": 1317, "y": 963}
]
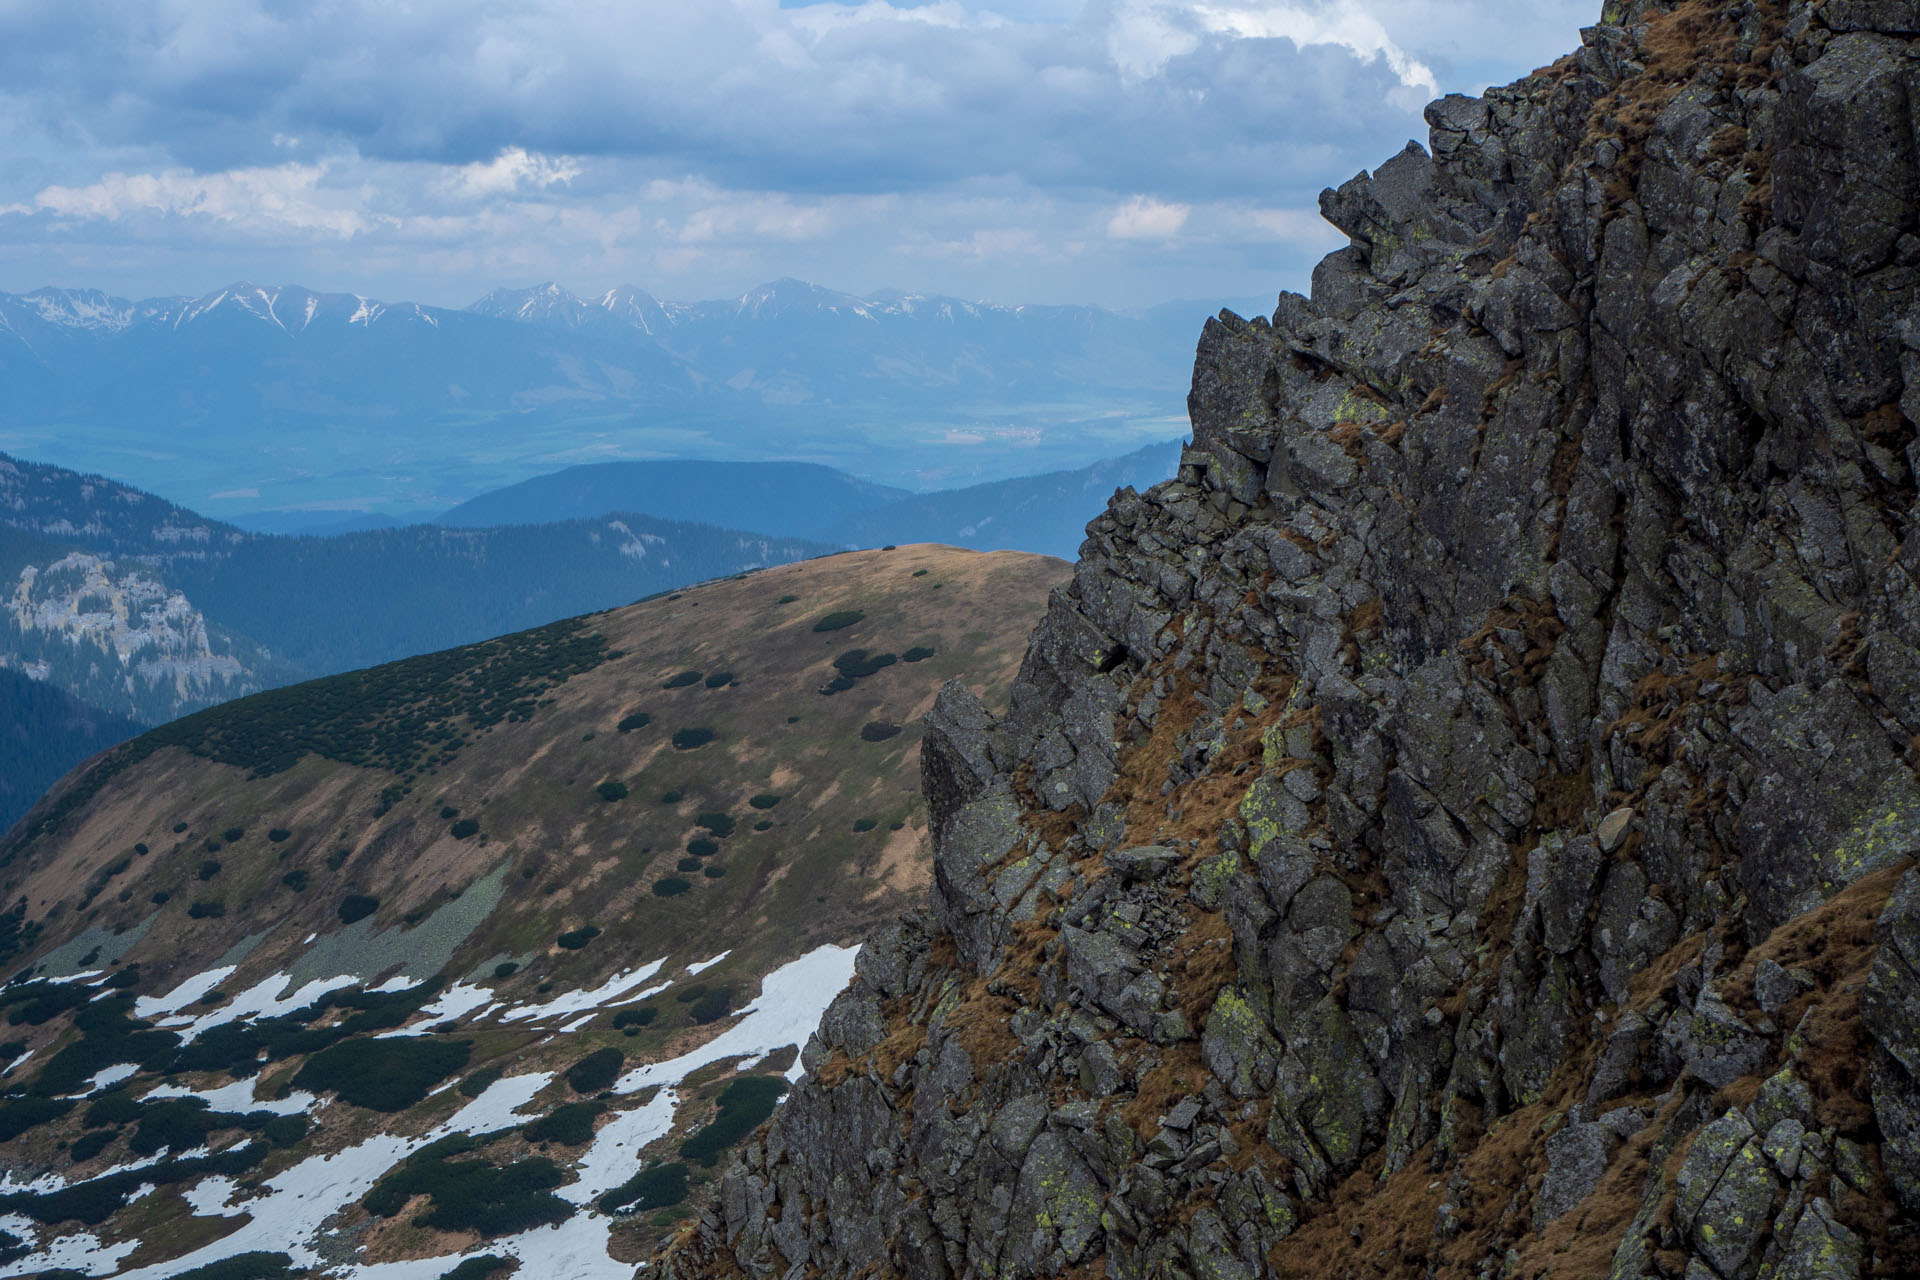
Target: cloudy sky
[{"x": 1123, "y": 152}]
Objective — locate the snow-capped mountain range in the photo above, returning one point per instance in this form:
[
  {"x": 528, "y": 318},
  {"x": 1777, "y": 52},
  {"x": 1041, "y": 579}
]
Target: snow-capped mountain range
[{"x": 257, "y": 397}]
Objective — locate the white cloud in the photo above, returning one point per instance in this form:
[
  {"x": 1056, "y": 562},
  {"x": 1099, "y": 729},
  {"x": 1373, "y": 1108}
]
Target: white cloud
[
  {"x": 289, "y": 195},
  {"x": 514, "y": 169},
  {"x": 1346, "y": 24},
  {"x": 1143, "y": 37},
  {"x": 1143, "y": 218},
  {"x": 992, "y": 148}
]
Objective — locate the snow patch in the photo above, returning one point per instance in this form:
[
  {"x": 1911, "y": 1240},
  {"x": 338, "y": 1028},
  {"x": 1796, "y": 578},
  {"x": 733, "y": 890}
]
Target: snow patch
[
  {"x": 575, "y": 1002},
  {"x": 257, "y": 1001},
  {"x": 791, "y": 1000},
  {"x": 703, "y": 965},
  {"x": 108, "y": 1077},
  {"x": 238, "y": 1097},
  {"x": 183, "y": 995}
]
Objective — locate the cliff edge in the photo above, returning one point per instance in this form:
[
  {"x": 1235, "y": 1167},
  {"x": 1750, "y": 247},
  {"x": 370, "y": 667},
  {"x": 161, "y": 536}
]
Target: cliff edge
[{"x": 1463, "y": 824}]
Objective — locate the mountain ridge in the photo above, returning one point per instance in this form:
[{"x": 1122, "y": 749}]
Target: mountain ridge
[
  {"x": 1465, "y": 824},
  {"x": 1042, "y": 513}
]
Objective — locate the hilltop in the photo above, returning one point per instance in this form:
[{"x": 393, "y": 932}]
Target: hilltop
[
  {"x": 643, "y": 840},
  {"x": 145, "y": 610}
]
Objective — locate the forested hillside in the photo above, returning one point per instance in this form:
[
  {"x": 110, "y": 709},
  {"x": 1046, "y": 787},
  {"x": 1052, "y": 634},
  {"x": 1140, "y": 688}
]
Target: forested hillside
[{"x": 43, "y": 731}]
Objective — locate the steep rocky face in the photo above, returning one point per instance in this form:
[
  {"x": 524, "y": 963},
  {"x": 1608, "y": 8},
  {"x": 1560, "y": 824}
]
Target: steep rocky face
[
  {"x": 1461, "y": 825},
  {"x": 119, "y": 637}
]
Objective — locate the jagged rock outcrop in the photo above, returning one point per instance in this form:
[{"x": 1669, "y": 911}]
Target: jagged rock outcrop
[{"x": 1461, "y": 825}]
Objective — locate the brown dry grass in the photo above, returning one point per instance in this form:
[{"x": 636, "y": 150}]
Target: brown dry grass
[{"x": 530, "y": 782}]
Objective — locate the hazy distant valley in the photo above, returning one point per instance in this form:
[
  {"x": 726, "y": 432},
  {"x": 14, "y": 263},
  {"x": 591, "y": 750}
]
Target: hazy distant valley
[{"x": 251, "y": 398}]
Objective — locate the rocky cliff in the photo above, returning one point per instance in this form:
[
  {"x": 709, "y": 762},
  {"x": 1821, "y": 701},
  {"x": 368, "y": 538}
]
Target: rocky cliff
[{"x": 1461, "y": 825}]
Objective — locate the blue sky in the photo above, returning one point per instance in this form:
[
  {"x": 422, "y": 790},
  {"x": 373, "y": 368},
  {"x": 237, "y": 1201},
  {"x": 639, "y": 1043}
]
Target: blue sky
[{"x": 1122, "y": 152}]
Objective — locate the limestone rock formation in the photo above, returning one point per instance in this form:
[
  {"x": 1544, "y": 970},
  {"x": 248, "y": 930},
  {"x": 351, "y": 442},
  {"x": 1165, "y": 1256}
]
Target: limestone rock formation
[{"x": 1461, "y": 825}]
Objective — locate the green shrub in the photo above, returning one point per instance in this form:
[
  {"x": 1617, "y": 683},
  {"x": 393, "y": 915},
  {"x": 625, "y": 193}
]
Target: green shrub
[
  {"x": 612, "y": 789},
  {"x": 464, "y": 828},
  {"x": 207, "y": 909},
  {"x": 178, "y": 1123},
  {"x": 765, "y": 824},
  {"x": 919, "y": 573},
  {"x": 688, "y": 864},
  {"x": 506, "y": 969},
  {"x": 95, "y": 1200},
  {"x": 179, "y": 827},
  {"x": 638, "y": 720},
  {"x": 674, "y": 796},
  {"x": 744, "y": 1105},
  {"x": 688, "y": 739},
  {"x": 356, "y": 906},
  {"x": 284, "y": 1131},
  {"x": 786, "y": 599},
  {"x": 919, "y": 653},
  {"x": 481, "y": 1267},
  {"x": 670, "y": 887},
  {"x": 212, "y": 845},
  {"x": 448, "y": 813},
  {"x": 712, "y": 1005},
  {"x": 338, "y": 858},
  {"x": 383, "y": 1075},
  {"x": 864, "y": 824},
  {"x": 479, "y": 1082},
  {"x": 279, "y": 835},
  {"x": 245, "y": 1266},
  {"x": 640, "y": 1017},
  {"x": 232, "y": 834},
  {"x": 765, "y": 800},
  {"x": 713, "y": 872},
  {"x": 160, "y": 898},
  {"x": 570, "y": 1124},
  {"x": 878, "y": 731},
  {"x": 720, "y": 680},
  {"x": 682, "y": 680},
  {"x": 296, "y": 881},
  {"x": 472, "y": 1195},
  {"x": 41, "y": 1002},
  {"x": 88, "y": 1145},
  {"x": 701, "y": 848},
  {"x": 209, "y": 869},
  {"x": 575, "y": 939},
  {"x": 17, "y": 1115},
  {"x": 839, "y": 620},
  {"x": 140, "y": 849},
  {"x": 857, "y": 664},
  {"x": 654, "y": 1187}
]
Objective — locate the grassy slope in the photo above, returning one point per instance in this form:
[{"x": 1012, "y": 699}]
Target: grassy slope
[{"x": 571, "y": 857}]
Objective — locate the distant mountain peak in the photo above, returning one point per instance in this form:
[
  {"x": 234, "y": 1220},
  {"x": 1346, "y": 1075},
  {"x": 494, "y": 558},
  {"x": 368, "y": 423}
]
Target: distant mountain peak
[
  {"x": 547, "y": 303},
  {"x": 789, "y": 294}
]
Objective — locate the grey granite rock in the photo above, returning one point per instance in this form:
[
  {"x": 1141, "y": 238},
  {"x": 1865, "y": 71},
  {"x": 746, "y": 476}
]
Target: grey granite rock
[{"x": 1531, "y": 629}]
